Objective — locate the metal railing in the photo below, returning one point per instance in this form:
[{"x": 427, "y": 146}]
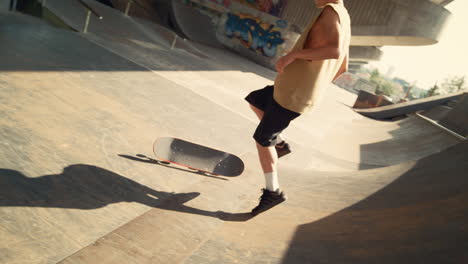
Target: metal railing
[
  {"x": 88, "y": 16},
  {"x": 130, "y": 2},
  {"x": 127, "y": 10},
  {"x": 13, "y": 4},
  {"x": 89, "y": 10}
]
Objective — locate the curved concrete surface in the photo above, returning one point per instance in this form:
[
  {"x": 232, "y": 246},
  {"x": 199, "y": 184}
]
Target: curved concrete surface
[
  {"x": 419, "y": 216},
  {"x": 79, "y": 184},
  {"x": 117, "y": 27},
  {"x": 400, "y": 109},
  {"x": 403, "y": 214},
  {"x": 194, "y": 24},
  {"x": 334, "y": 152},
  {"x": 114, "y": 22}
]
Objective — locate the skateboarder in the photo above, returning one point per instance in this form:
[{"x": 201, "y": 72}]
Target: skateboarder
[{"x": 319, "y": 56}]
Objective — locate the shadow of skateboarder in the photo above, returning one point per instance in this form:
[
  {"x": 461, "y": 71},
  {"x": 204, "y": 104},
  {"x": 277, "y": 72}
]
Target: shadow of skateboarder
[{"x": 89, "y": 187}]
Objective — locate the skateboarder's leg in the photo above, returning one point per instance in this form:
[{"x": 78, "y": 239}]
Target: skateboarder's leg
[
  {"x": 275, "y": 119},
  {"x": 268, "y": 158},
  {"x": 267, "y": 154},
  {"x": 266, "y": 136},
  {"x": 260, "y": 113},
  {"x": 257, "y": 111},
  {"x": 269, "y": 162},
  {"x": 282, "y": 148}
]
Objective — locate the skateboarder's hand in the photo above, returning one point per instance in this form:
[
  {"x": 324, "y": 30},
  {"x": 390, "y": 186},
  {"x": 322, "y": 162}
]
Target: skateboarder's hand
[{"x": 283, "y": 62}]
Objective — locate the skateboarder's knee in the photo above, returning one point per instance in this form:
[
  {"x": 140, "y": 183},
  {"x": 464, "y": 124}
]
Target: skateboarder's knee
[{"x": 264, "y": 141}]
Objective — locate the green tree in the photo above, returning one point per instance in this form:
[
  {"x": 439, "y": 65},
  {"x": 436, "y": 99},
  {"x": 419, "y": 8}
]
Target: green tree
[
  {"x": 384, "y": 87},
  {"x": 433, "y": 91},
  {"x": 375, "y": 75},
  {"x": 453, "y": 84}
]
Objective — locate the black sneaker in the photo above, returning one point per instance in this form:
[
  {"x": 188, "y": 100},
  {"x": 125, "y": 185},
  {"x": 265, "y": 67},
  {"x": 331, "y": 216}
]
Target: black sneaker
[
  {"x": 268, "y": 200},
  {"x": 282, "y": 149}
]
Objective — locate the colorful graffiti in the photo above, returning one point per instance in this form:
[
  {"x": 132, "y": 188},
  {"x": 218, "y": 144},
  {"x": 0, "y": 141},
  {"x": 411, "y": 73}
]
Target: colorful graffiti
[
  {"x": 253, "y": 34},
  {"x": 272, "y": 7}
]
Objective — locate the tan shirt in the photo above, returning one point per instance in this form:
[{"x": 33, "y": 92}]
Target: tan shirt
[{"x": 303, "y": 82}]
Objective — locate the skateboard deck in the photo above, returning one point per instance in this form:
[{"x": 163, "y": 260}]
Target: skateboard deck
[{"x": 197, "y": 157}]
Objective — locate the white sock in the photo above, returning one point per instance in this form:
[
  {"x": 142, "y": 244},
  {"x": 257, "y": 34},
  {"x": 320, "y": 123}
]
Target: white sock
[
  {"x": 280, "y": 138},
  {"x": 271, "y": 180}
]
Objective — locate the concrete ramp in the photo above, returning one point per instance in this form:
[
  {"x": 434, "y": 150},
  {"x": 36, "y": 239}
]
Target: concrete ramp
[
  {"x": 74, "y": 118},
  {"x": 79, "y": 184},
  {"x": 117, "y": 27},
  {"x": 411, "y": 213},
  {"x": 401, "y": 109},
  {"x": 113, "y": 22},
  {"x": 421, "y": 216},
  {"x": 214, "y": 74}
]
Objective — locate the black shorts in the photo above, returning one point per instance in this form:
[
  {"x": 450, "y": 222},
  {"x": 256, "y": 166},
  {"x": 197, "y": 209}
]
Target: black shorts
[{"x": 275, "y": 119}]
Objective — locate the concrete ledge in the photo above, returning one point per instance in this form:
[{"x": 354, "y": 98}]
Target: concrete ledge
[{"x": 386, "y": 112}]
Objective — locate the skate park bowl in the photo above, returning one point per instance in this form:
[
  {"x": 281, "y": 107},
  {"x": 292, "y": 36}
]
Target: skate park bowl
[{"x": 79, "y": 115}]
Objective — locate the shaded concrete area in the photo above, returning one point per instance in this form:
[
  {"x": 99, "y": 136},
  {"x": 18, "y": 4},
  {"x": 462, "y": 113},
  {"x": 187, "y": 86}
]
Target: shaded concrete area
[
  {"x": 403, "y": 146},
  {"x": 409, "y": 213},
  {"x": 455, "y": 120},
  {"x": 28, "y": 44},
  {"x": 113, "y": 22},
  {"x": 5, "y": 5},
  {"x": 79, "y": 183},
  {"x": 420, "y": 217}
]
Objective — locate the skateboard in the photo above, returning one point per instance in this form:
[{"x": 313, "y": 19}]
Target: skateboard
[{"x": 197, "y": 157}]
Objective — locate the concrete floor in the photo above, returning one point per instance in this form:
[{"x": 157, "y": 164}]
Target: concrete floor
[{"x": 77, "y": 110}]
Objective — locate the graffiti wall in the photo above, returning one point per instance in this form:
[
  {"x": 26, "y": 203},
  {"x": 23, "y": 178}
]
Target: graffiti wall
[
  {"x": 251, "y": 27},
  {"x": 254, "y": 34}
]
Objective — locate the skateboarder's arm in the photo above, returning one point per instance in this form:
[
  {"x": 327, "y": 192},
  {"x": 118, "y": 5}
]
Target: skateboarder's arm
[
  {"x": 343, "y": 68},
  {"x": 328, "y": 35}
]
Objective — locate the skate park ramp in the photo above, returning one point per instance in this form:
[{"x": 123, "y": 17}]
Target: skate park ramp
[
  {"x": 332, "y": 150},
  {"x": 400, "y": 109},
  {"x": 79, "y": 184}
]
